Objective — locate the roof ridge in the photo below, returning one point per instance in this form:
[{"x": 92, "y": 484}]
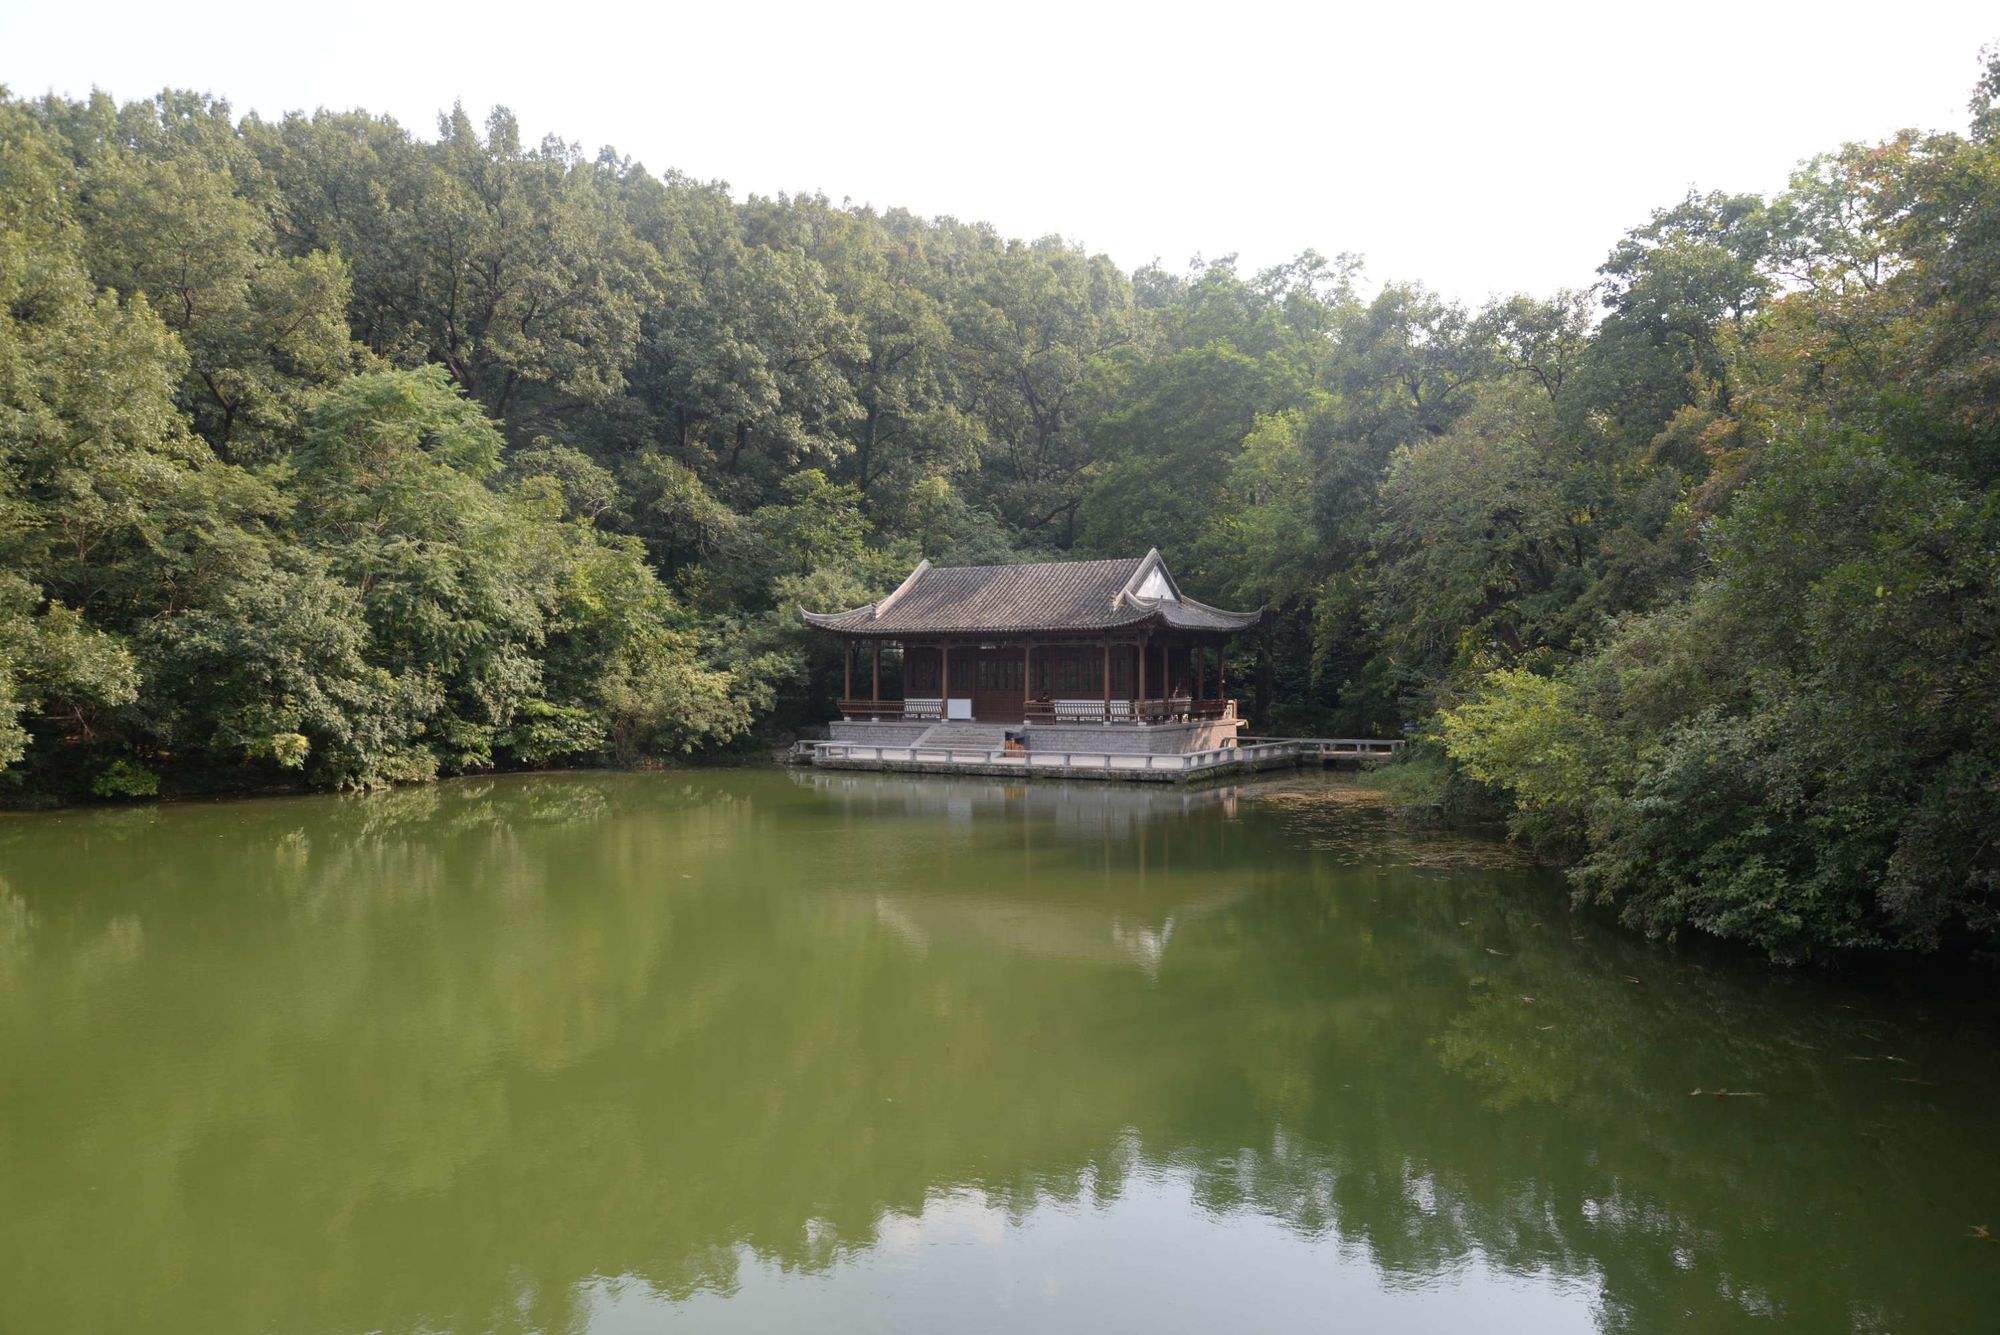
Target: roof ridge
[{"x": 1026, "y": 565}]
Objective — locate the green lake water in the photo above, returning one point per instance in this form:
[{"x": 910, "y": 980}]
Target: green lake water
[{"x": 764, "y": 1050}]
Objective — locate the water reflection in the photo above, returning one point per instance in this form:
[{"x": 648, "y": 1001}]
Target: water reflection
[{"x": 763, "y": 1050}]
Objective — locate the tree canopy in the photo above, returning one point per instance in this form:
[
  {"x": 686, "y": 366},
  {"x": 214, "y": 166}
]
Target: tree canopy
[{"x": 337, "y": 455}]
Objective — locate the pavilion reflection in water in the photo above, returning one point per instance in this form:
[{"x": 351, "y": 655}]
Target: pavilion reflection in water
[
  {"x": 1089, "y": 872},
  {"x": 1110, "y": 808}
]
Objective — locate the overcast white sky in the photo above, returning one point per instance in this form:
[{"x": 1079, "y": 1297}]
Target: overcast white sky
[{"x": 1481, "y": 148}]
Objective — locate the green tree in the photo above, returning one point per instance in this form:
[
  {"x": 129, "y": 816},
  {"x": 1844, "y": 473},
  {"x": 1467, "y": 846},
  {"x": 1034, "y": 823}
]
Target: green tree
[{"x": 260, "y": 330}]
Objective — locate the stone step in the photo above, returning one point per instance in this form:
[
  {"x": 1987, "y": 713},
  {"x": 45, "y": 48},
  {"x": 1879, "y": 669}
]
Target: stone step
[{"x": 965, "y": 736}]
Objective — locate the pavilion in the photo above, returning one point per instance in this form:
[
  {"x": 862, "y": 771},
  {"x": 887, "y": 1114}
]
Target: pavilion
[{"x": 1040, "y": 648}]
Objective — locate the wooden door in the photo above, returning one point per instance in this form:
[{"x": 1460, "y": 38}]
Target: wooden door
[{"x": 997, "y": 684}]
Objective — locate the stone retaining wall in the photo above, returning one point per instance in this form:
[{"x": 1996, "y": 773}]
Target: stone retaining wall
[
  {"x": 1157, "y": 739},
  {"x": 1017, "y": 771},
  {"x": 877, "y": 732}
]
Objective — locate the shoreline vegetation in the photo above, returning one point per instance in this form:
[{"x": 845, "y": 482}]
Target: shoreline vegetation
[{"x": 335, "y": 457}]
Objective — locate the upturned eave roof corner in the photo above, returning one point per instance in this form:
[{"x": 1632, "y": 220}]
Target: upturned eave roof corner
[{"x": 828, "y": 620}]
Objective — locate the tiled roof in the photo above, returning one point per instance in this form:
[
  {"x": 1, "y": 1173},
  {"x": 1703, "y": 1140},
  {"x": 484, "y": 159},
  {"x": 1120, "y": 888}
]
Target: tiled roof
[{"x": 1041, "y": 596}]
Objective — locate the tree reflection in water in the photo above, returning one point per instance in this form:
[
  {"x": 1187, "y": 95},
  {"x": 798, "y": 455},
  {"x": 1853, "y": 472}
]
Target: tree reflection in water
[{"x": 517, "y": 1053}]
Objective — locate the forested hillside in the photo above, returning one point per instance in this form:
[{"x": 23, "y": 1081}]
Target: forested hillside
[{"x": 338, "y": 456}]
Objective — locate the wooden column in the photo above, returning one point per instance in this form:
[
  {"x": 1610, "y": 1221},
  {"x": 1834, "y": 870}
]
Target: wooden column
[
  {"x": 944, "y": 679},
  {"x": 1139, "y": 696},
  {"x": 875, "y": 685},
  {"x": 1107, "y": 679},
  {"x": 1027, "y": 676},
  {"x": 1200, "y": 676},
  {"x": 846, "y": 668}
]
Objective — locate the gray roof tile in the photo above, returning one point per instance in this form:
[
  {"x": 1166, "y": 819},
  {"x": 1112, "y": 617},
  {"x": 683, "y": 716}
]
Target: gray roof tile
[{"x": 1039, "y": 596}]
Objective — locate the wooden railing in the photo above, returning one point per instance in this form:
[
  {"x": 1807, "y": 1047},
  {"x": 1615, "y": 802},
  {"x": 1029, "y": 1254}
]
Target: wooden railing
[
  {"x": 892, "y": 710},
  {"x": 1179, "y": 709}
]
